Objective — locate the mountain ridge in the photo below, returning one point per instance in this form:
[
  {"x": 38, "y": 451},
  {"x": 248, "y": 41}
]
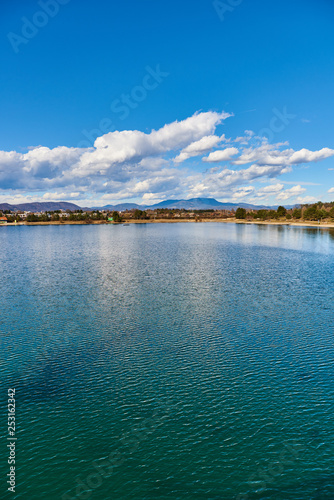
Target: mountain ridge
[
  {"x": 42, "y": 206},
  {"x": 190, "y": 204}
]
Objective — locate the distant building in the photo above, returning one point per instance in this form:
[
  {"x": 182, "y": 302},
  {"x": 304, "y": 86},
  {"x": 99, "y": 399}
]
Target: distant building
[{"x": 3, "y": 220}]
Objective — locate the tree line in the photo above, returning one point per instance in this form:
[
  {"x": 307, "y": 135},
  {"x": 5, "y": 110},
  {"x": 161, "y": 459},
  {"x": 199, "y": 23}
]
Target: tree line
[{"x": 316, "y": 211}]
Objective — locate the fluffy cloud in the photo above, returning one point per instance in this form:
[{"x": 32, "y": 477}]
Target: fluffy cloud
[
  {"x": 290, "y": 193},
  {"x": 306, "y": 199},
  {"x": 132, "y": 145},
  {"x": 331, "y": 190},
  {"x": 59, "y": 196},
  {"x": 149, "y": 166},
  {"x": 306, "y": 156},
  {"x": 199, "y": 147},
  {"x": 243, "y": 192},
  {"x": 272, "y": 189},
  {"x": 219, "y": 181},
  {"x": 222, "y": 155},
  {"x": 266, "y": 154}
]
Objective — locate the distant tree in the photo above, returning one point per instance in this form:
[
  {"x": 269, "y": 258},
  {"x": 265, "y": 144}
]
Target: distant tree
[
  {"x": 32, "y": 218},
  {"x": 262, "y": 214},
  {"x": 272, "y": 214},
  {"x": 240, "y": 213},
  {"x": 297, "y": 213},
  {"x": 140, "y": 214},
  {"x": 281, "y": 211},
  {"x": 98, "y": 215},
  {"x": 311, "y": 213},
  {"x": 322, "y": 214},
  {"x": 116, "y": 217}
]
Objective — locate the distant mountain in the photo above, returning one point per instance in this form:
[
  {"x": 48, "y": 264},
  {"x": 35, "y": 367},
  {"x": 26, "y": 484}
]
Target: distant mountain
[
  {"x": 201, "y": 204},
  {"x": 191, "y": 204},
  {"x": 6, "y": 206},
  {"x": 40, "y": 207},
  {"x": 207, "y": 204},
  {"x": 119, "y": 207}
]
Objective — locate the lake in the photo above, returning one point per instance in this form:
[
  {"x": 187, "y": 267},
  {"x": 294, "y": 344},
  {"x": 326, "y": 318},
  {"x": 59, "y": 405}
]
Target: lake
[{"x": 169, "y": 361}]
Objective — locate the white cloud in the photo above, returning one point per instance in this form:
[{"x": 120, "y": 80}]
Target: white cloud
[
  {"x": 199, "y": 147},
  {"x": 290, "y": 193},
  {"x": 151, "y": 198},
  {"x": 270, "y": 190},
  {"x": 306, "y": 156},
  {"x": 242, "y": 192},
  {"x": 132, "y": 164},
  {"x": 132, "y": 145},
  {"x": 217, "y": 183},
  {"x": 303, "y": 183},
  {"x": 221, "y": 155},
  {"x": 266, "y": 154},
  {"x": 306, "y": 199},
  {"x": 59, "y": 196},
  {"x": 331, "y": 190}
]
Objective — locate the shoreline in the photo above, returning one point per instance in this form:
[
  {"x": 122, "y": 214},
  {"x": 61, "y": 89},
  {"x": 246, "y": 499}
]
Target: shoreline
[{"x": 329, "y": 225}]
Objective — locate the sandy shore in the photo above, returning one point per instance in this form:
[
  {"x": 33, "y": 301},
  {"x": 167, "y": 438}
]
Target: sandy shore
[{"x": 327, "y": 225}]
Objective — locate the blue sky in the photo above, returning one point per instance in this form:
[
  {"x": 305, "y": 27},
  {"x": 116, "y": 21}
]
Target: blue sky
[{"x": 108, "y": 101}]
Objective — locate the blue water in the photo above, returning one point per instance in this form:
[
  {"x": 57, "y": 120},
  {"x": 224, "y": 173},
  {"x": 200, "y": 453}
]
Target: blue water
[{"x": 169, "y": 361}]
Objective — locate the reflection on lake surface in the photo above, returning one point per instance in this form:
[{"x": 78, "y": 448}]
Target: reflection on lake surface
[{"x": 199, "y": 355}]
